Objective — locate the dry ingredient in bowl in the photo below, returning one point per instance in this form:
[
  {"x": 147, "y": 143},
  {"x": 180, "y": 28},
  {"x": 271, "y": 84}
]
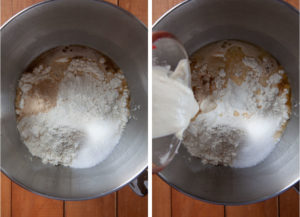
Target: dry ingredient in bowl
[
  {"x": 244, "y": 99},
  {"x": 72, "y": 107}
]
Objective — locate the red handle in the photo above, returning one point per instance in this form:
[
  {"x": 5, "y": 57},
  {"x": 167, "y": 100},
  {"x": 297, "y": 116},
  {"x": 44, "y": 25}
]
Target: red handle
[{"x": 161, "y": 34}]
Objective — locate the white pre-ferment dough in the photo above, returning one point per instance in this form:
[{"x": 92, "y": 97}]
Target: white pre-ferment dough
[{"x": 173, "y": 103}]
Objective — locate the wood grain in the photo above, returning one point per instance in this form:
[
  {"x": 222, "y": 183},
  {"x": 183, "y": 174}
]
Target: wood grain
[
  {"x": 183, "y": 205},
  {"x": 27, "y": 204},
  {"x": 18, "y": 5},
  {"x": 161, "y": 198},
  {"x": 5, "y": 196},
  {"x": 131, "y": 205},
  {"x": 289, "y": 204},
  {"x": 100, "y": 207},
  {"x": 6, "y": 10},
  {"x": 294, "y": 3},
  {"x": 115, "y": 2},
  {"x": 268, "y": 208},
  {"x": 139, "y": 8},
  {"x": 160, "y": 7}
]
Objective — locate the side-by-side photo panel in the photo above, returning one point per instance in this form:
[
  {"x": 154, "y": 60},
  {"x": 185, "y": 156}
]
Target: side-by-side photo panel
[
  {"x": 225, "y": 109},
  {"x": 74, "y": 108}
]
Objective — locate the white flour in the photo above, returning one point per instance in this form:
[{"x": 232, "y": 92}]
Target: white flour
[
  {"x": 243, "y": 110},
  {"x": 87, "y": 121}
]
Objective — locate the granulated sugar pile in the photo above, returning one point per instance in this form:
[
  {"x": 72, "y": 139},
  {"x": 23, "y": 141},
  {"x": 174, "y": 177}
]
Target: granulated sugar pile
[
  {"x": 72, "y": 111},
  {"x": 244, "y": 99}
]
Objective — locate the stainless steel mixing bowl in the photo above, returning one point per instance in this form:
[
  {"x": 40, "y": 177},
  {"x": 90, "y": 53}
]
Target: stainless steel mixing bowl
[
  {"x": 96, "y": 24},
  {"x": 273, "y": 25}
]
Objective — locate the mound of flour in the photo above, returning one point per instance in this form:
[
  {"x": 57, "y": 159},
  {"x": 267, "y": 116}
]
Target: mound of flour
[
  {"x": 243, "y": 103},
  {"x": 81, "y": 113}
]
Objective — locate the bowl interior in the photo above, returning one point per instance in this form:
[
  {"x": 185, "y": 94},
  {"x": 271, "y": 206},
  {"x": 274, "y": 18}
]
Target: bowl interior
[
  {"x": 101, "y": 26},
  {"x": 274, "y": 26}
]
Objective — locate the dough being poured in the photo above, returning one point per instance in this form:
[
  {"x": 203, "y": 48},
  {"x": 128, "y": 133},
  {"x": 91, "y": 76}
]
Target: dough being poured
[{"x": 174, "y": 104}]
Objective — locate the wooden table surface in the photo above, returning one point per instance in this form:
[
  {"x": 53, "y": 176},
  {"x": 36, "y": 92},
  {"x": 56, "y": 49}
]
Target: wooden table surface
[
  {"x": 18, "y": 202},
  {"x": 168, "y": 202}
]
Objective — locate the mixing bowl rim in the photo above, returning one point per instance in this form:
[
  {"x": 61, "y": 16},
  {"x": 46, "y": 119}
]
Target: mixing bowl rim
[
  {"x": 166, "y": 14},
  {"x": 49, "y": 1},
  {"x": 69, "y": 198},
  {"x": 53, "y": 196},
  {"x": 227, "y": 203}
]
